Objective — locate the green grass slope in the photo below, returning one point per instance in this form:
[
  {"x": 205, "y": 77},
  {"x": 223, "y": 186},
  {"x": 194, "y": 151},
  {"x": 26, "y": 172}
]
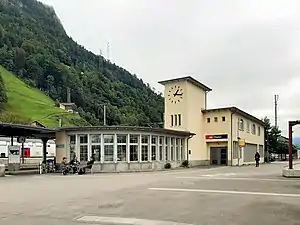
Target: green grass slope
[{"x": 27, "y": 104}]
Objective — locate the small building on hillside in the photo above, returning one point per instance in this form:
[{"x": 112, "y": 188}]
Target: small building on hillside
[
  {"x": 37, "y": 124},
  {"x": 67, "y": 106}
]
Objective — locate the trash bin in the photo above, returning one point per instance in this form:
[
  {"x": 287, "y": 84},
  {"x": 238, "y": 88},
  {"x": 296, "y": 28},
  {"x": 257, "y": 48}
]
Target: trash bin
[{"x": 2, "y": 170}]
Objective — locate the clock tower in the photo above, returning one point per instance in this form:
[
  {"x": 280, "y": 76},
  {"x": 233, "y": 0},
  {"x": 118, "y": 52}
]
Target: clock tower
[{"x": 185, "y": 98}]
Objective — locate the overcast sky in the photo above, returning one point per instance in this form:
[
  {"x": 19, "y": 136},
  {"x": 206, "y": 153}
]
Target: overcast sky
[{"x": 245, "y": 50}]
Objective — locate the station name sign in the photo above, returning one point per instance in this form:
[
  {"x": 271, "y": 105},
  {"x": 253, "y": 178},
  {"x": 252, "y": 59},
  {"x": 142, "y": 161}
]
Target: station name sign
[{"x": 218, "y": 136}]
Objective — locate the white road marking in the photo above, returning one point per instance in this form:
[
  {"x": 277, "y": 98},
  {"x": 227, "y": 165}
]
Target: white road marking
[
  {"x": 225, "y": 192},
  {"x": 218, "y": 174},
  {"x": 238, "y": 178},
  {"x": 129, "y": 221}
]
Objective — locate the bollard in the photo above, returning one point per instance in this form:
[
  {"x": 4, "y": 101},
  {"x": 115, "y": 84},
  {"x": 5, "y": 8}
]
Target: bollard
[
  {"x": 2, "y": 170},
  {"x": 41, "y": 168}
]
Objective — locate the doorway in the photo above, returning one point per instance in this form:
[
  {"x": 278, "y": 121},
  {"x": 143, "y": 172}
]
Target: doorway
[{"x": 218, "y": 155}]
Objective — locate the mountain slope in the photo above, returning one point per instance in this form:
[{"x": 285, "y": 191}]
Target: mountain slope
[
  {"x": 35, "y": 46},
  {"x": 26, "y": 104}
]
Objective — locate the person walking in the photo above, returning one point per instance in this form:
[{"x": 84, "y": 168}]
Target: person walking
[{"x": 257, "y": 158}]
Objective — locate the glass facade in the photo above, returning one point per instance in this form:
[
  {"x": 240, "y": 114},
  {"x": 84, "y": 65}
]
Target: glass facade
[{"x": 107, "y": 148}]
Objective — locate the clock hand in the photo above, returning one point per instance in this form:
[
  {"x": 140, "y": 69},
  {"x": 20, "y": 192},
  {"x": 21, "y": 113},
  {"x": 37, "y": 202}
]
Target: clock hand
[{"x": 176, "y": 93}]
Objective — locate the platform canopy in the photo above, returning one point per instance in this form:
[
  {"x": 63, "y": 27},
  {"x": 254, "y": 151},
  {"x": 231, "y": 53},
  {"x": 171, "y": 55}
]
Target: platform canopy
[{"x": 16, "y": 130}]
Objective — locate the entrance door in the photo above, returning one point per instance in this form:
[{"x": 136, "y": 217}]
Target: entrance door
[{"x": 223, "y": 156}]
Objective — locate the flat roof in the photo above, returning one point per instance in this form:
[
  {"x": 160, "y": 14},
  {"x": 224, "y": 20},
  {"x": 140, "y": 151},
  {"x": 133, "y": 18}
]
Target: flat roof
[
  {"x": 234, "y": 109},
  {"x": 126, "y": 128},
  {"x": 188, "y": 79},
  {"x": 9, "y": 129}
]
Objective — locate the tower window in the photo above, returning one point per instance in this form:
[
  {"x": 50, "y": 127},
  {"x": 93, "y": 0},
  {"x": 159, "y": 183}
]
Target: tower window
[
  {"x": 208, "y": 120},
  {"x": 179, "y": 119},
  {"x": 216, "y": 119},
  {"x": 175, "y": 120},
  {"x": 172, "y": 122},
  {"x": 223, "y": 118}
]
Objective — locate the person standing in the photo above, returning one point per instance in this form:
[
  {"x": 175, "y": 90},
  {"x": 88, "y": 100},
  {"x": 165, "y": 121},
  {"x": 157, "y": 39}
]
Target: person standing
[{"x": 257, "y": 158}]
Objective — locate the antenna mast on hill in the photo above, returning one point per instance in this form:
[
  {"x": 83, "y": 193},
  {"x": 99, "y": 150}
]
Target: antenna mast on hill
[
  {"x": 100, "y": 59},
  {"x": 108, "y": 56},
  {"x": 276, "y": 98}
]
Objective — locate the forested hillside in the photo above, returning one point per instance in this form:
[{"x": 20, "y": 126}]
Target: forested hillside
[{"x": 35, "y": 46}]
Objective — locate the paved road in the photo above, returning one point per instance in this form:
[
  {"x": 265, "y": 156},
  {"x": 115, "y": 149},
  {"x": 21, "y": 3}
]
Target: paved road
[{"x": 224, "y": 195}]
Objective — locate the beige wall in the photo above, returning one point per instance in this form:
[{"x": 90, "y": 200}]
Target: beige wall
[
  {"x": 61, "y": 146},
  {"x": 190, "y": 108}
]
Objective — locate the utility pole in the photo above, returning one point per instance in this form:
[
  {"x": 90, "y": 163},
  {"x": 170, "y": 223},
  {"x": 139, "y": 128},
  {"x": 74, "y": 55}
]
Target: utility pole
[{"x": 276, "y": 97}]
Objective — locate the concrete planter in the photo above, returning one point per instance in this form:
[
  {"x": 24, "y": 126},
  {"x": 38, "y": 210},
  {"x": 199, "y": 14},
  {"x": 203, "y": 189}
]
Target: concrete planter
[{"x": 2, "y": 170}]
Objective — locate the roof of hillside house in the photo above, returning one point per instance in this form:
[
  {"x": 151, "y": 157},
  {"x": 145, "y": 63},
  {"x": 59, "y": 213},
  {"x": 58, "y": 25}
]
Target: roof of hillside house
[
  {"x": 67, "y": 103},
  {"x": 127, "y": 129},
  {"x": 188, "y": 79},
  {"x": 238, "y": 111}
]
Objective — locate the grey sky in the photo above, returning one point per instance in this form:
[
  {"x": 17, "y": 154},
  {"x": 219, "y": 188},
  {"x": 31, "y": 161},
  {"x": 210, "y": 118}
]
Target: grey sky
[{"x": 245, "y": 50}]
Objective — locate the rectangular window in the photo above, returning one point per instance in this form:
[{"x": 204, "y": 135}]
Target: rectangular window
[
  {"x": 248, "y": 126},
  {"x": 172, "y": 122},
  {"x": 179, "y": 119},
  {"x": 108, "y": 153},
  {"x": 208, "y": 120},
  {"x": 253, "y": 129},
  {"x": 178, "y": 158},
  {"x": 144, "y": 155},
  {"x": 172, "y": 149},
  {"x": 175, "y": 120},
  {"x": 258, "y": 131},
  {"x": 122, "y": 147},
  {"x": 134, "y": 139},
  {"x": 154, "y": 140},
  {"x": 72, "y": 139},
  {"x": 161, "y": 142},
  {"x": 133, "y": 152},
  {"x": 223, "y": 118},
  {"x": 153, "y": 153},
  {"x": 83, "y": 153},
  {"x": 182, "y": 149},
  {"x": 72, "y": 146},
  {"x": 96, "y": 152},
  {"x": 216, "y": 119},
  {"x": 121, "y": 152},
  {"x": 83, "y": 139},
  {"x": 167, "y": 140},
  {"x": 108, "y": 138},
  {"x": 96, "y": 138},
  {"x": 145, "y": 139}
]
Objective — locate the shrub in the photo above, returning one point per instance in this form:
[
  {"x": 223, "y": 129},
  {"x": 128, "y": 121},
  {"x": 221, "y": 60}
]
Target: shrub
[{"x": 167, "y": 166}]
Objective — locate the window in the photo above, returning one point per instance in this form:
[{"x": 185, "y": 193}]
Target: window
[
  {"x": 167, "y": 140},
  {"x": 178, "y": 149},
  {"x": 145, "y": 148},
  {"x": 172, "y": 121},
  {"x": 121, "y": 147},
  {"x": 172, "y": 149},
  {"x": 253, "y": 129},
  {"x": 153, "y": 147},
  {"x": 83, "y": 147},
  {"x": 96, "y": 146},
  {"x": 182, "y": 149},
  {"x": 72, "y": 144},
  {"x": 161, "y": 142},
  {"x": 248, "y": 126},
  {"x": 208, "y": 120},
  {"x": 216, "y": 119},
  {"x": 175, "y": 120},
  {"x": 179, "y": 119},
  {"x": 223, "y": 118},
  {"x": 108, "y": 147},
  {"x": 133, "y": 147},
  {"x": 241, "y": 124},
  {"x": 258, "y": 131}
]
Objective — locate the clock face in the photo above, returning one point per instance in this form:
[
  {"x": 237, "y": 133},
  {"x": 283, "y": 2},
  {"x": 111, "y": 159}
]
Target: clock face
[{"x": 175, "y": 94}]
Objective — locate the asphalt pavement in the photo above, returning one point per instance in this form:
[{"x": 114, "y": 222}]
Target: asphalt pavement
[{"x": 220, "y": 195}]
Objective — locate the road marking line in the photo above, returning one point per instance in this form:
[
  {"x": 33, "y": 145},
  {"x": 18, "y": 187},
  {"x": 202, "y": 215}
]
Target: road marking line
[
  {"x": 236, "y": 178},
  {"x": 129, "y": 221},
  {"x": 225, "y": 192}
]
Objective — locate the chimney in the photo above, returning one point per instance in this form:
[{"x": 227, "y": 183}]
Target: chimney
[{"x": 68, "y": 95}]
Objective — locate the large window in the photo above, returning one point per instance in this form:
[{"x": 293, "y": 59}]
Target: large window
[
  {"x": 241, "y": 124},
  {"x": 96, "y": 146},
  {"x": 72, "y": 146},
  {"x": 83, "y": 147},
  {"x": 183, "y": 156},
  {"x": 133, "y": 147},
  {"x": 172, "y": 149},
  {"x": 145, "y": 148},
  {"x": 154, "y": 140},
  {"x": 108, "y": 147},
  {"x": 167, "y": 140},
  {"x": 161, "y": 142},
  {"x": 178, "y": 149},
  {"x": 122, "y": 147}
]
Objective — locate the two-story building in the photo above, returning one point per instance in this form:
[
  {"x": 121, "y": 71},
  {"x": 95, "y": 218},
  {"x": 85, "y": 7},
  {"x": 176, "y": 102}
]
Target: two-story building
[{"x": 227, "y": 136}]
